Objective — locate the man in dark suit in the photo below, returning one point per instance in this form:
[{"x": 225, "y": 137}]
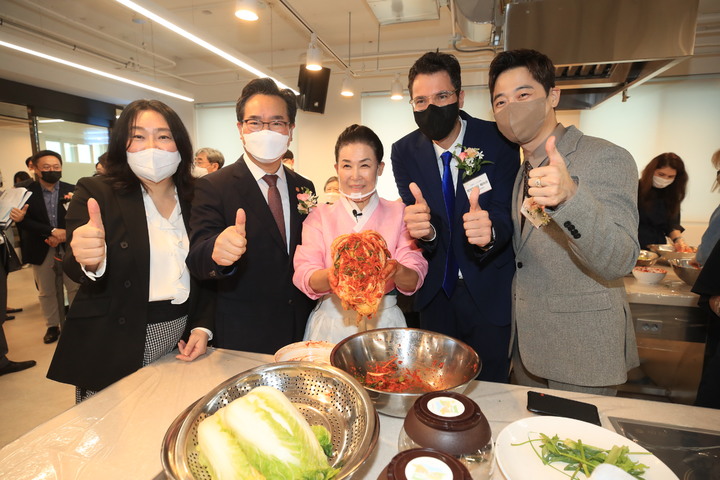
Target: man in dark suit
[
  {"x": 245, "y": 226},
  {"x": 43, "y": 238},
  {"x": 455, "y": 174}
]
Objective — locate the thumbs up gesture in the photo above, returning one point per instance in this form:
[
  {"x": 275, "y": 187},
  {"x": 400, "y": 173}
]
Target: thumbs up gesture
[
  {"x": 551, "y": 184},
  {"x": 417, "y": 217},
  {"x": 477, "y": 223},
  {"x": 88, "y": 241},
  {"x": 231, "y": 244}
]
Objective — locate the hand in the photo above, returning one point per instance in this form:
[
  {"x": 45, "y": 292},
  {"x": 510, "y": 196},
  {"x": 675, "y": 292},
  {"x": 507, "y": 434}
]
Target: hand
[
  {"x": 231, "y": 244},
  {"x": 194, "y": 347},
  {"x": 88, "y": 242},
  {"x": 556, "y": 185},
  {"x": 17, "y": 214},
  {"x": 59, "y": 235},
  {"x": 52, "y": 241},
  {"x": 477, "y": 223},
  {"x": 417, "y": 217},
  {"x": 392, "y": 267}
]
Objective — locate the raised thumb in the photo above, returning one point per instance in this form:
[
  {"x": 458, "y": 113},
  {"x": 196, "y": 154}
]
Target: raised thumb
[
  {"x": 94, "y": 213},
  {"x": 417, "y": 193},
  {"x": 554, "y": 157},
  {"x": 474, "y": 196},
  {"x": 240, "y": 221}
]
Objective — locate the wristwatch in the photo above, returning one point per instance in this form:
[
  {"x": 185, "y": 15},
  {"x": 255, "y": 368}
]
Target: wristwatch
[{"x": 491, "y": 243}]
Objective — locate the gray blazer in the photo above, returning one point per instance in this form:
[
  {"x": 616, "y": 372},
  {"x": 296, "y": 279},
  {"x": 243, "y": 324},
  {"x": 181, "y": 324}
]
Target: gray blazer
[{"x": 572, "y": 320}]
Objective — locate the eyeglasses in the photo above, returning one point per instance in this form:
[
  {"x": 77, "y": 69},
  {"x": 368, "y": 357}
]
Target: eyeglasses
[
  {"x": 51, "y": 168},
  {"x": 274, "y": 125},
  {"x": 440, "y": 98}
]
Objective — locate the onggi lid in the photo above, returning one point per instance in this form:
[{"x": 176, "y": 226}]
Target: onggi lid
[
  {"x": 424, "y": 464},
  {"x": 448, "y": 421}
]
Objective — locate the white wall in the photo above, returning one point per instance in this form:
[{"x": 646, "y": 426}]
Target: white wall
[{"x": 16, "y": 147}]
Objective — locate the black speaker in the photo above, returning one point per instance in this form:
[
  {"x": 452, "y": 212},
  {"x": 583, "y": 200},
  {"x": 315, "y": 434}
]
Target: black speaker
[{"x": 313, "y": 86}]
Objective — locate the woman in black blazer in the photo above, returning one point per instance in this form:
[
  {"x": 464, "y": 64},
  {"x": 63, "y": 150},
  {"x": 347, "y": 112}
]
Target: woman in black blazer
[{"x": 128, "y": 237}]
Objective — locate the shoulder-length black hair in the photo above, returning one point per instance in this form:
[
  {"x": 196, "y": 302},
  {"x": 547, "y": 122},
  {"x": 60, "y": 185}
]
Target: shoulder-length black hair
[
  {"x": 118, "y": 170},
  {"x": 674, "y": 193}
]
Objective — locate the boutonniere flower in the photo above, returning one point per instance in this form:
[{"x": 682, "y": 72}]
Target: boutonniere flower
[
  {"x": 67, "y": 197},
  {"x": 307, "y": 200},
  {"x": 470, "y": 160}
]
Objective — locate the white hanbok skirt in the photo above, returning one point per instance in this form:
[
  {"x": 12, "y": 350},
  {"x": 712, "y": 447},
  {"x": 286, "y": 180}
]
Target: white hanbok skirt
[{"x": 331, "y": 323}]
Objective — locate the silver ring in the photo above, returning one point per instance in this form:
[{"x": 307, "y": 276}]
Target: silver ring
[{"x": 538, "y": 183}]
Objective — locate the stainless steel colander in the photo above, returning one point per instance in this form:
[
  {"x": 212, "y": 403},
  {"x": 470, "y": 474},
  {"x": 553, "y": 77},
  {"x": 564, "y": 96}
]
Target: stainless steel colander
[{"x": 324, "y": 395}]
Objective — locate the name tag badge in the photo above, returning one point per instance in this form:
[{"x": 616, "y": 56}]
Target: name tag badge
[
  {"x": 481, "y": 181},
  {"x": 534, "y": 213}
]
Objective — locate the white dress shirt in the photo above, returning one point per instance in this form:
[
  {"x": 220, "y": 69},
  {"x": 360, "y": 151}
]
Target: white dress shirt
[{"x": 282, "y": 186}]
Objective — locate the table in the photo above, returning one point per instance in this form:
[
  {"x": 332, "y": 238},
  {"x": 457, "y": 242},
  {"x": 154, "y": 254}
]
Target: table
[{"x": 117, "y": 434}]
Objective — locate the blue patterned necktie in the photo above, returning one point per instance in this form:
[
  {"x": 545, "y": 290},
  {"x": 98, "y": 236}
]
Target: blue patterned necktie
[{"x": 451, "y": 267}]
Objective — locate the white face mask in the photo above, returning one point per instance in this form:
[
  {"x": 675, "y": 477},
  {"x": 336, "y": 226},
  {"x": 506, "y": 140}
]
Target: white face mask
[
  {"x": 355, "y": 196},
  {"x": 153, "y": 164},
  {"x": 266, "y": 146},
  {"x": 198, "y": 172},
  {"x": 660, "y": 182}
]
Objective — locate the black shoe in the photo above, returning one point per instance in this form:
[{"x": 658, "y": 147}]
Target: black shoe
[
  {"x": 51, "y": 335},
  {"x": 14, "y": 310},
  {"x": 13, "y": 367},
  {"x": 9, "y": 317}
]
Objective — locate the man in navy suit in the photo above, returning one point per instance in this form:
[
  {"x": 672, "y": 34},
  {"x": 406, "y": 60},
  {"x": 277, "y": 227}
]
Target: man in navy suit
[
  {"x": 456, "y": 174},
  {"x": 245, "y": 225}
]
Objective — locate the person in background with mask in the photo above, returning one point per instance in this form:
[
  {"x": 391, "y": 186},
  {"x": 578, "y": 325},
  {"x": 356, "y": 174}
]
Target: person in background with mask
[
  {"x": 128, "y": 236},
  {"x": 289, "y": 159},
  {"x": 455, "y": 174},
  {"x": 331, "y": 190},
  {"x": 42, "y": 238},
  {"x": 358, "y": 162},
  {"x": 247, "y": 222},
  {"x": 575, "y": 221},
  {"x": 662, "y": 188},
  {"x": 207, "y": 160}
]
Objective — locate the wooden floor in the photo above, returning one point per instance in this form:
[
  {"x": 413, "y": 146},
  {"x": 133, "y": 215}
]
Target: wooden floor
[{"x": 28, "y": 398}]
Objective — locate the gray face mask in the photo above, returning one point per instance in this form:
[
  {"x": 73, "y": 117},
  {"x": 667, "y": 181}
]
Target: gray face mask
[{"x": 519, "y": 122}]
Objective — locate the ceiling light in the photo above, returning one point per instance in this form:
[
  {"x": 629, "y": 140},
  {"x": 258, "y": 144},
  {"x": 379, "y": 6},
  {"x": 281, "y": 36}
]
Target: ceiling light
[
  {"x": 246, "y": 10},
  {"x": 199, "y": 41},
  {"x": 95, "y": 71},
  {"x": 396, "y": 88},
  {"x": 314, "y": 55},
  {"x": 347, "y": 87}
]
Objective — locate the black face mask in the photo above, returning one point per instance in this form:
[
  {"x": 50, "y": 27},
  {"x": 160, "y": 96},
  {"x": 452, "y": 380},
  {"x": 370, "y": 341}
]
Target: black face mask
[
  {"x": 51, "y": 176},
  {"x": 437, "y": 122}
]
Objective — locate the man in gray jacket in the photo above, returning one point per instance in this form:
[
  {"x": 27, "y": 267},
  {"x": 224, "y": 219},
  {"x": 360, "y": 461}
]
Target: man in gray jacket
[{"x": 575, "y": 236}]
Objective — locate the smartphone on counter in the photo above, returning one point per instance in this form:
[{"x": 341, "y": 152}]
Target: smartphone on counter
[{"x": 545, "y": 404}]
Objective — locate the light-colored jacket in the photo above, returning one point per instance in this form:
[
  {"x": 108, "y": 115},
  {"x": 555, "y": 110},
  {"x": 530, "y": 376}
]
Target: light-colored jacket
[{"x": 571, "y": 316}]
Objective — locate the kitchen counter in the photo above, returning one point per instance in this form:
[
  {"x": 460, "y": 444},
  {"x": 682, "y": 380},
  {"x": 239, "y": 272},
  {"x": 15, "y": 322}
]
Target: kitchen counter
[
  {"x": 671, "y": 291},
  {"x": 117, "y": 434}
]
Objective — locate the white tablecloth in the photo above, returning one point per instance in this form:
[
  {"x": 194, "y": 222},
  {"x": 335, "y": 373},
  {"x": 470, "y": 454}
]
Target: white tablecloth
[{"x": 118, "y": 433}]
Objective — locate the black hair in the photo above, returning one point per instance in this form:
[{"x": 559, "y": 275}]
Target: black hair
[
  {"x": 538, "y": 64},
  {"x": 360, "y": 134},
  {"x": 433, "y": 62},
  {"x": 44, "y": 153},
  {"x": 117, "y": 169},
  {"x": 20, "y": 176},
  {"x": 266, "y": 86}
]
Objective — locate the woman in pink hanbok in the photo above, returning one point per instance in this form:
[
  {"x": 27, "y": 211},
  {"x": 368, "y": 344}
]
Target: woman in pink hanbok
[{"x": 358, "y": 162}]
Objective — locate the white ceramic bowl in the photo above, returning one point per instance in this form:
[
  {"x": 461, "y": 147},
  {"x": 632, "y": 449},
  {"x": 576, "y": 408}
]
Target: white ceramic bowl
[
  {"x": 309, "y": 351},
  {"x": 649, "y": 275}
]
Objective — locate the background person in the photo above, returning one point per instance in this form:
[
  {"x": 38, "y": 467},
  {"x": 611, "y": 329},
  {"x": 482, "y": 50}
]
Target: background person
[
  {"x": 21, "y": 176},
  {"x": 712, "y": 234},
  {"x": 662, "y": 188},
  {"x": 246, "y": 226},
  {"x": 128, "y": 243},
  {"x": 289, "y": 159},
  {"x": 573, "y": 327},
  {"x": 358, "y": 163},
  {"x": 207, "y": 160},
  {"x": 42, "y": 239},
  {"x": 331, "y": 190},
  {"x": 467, "y": 290}
]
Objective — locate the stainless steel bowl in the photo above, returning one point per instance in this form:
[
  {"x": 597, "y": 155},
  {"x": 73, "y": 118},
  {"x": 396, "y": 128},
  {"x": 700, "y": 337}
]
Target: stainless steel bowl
[
  {"x": 324, "y": 395},
  {"x": 667, "y": 252},
  {"x": 441, "y": 361},
  {"x": 683, "y": 269},
  {"x": 646, "y": 258}
]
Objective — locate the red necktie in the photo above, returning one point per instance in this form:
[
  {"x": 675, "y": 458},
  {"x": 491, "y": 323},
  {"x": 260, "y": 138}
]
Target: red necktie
[{"x": 275, "y": 203}]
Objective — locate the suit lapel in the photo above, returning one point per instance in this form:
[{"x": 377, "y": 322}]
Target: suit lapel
[
  {"x": 295, "y": 218},
  {"x": 132, "y": 210}
]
